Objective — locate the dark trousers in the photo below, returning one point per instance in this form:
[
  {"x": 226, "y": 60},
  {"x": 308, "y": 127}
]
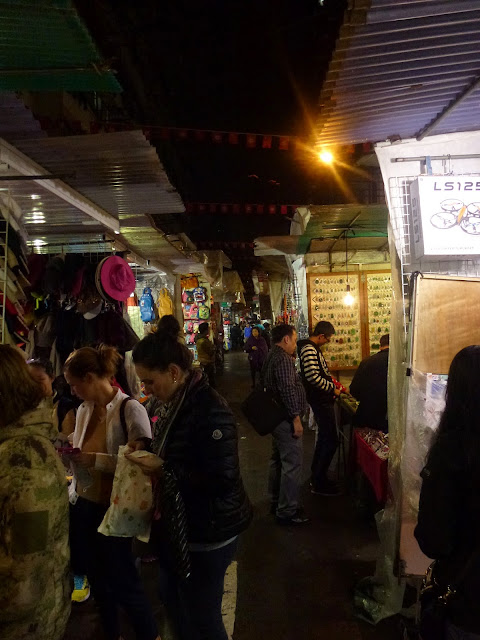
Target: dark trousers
[
  {"x": 195, "y": 605},
  {"x": 253, "y": 372},
  {"x": 327, "y": 442},
  {"x": 210, "y": 371},
  {"x": 109, "y": 565}
]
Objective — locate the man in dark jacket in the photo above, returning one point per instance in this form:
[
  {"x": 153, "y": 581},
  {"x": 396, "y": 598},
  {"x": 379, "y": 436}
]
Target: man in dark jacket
[
  {"x": 281, "y": 378},
  {"x": 321, "y": 393},
  {"x": 369, "y": 387}
]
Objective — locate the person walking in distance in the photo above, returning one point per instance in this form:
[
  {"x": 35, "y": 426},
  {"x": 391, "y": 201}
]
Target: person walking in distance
[
  {"x": 257, "y": 350},
  {"x": 321, "y": 393},
  {"x": 281, "y": 378},
  {"x": 206, "y": 352}
]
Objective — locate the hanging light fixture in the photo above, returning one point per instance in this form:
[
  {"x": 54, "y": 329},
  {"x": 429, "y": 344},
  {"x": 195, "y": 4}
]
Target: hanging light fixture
[{"x": 348, "y": 299}]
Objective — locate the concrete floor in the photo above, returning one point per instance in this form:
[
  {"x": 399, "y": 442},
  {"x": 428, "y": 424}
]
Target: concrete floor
[{"x": 293, "y": 583}]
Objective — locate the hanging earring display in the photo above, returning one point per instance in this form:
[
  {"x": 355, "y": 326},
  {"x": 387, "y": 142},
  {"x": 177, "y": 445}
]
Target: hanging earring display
[
  {"x": 379, "y": 290},
  {"x": 327, "y": 294}
]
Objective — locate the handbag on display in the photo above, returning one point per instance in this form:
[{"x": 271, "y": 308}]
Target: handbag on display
[
  {"x": 146, "y": 306},
  {"x": 203, "y": 312}
]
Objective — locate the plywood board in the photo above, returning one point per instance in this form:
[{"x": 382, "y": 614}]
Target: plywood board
[{"x": 447, "y": 318}]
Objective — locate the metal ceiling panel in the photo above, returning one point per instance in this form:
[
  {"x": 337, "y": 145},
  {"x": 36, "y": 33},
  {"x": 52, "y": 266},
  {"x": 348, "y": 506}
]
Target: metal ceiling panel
[
  {"x": 399, "y": 64},
  {"x": 44, "y": 46},
  {"x": 120, "y": 172}
]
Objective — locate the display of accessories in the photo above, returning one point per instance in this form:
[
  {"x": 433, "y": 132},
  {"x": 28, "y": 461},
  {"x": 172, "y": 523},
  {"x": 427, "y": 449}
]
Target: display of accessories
[
  {"x": 327, "y": 294},
  {"x": 379, "y": 294}
]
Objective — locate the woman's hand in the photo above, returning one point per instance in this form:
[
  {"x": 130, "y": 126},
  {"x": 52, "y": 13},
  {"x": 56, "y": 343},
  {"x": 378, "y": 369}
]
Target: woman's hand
[
  {"x": 137, "y": 445},
  {"x": 149, "y": 463},
  {"x": 86, "y": 460}
]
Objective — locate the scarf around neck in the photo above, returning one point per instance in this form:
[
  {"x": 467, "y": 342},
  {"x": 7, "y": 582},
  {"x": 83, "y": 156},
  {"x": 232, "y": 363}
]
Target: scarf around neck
[{"x": 168, "y": 412}]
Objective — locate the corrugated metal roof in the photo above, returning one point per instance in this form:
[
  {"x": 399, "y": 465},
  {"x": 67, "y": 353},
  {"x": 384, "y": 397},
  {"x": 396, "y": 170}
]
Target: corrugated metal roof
[
  {"x": 397, "y": 65},
  {"x": 44, "y": 46},
  {"x": 119, "y": 172},
  {"x": 17, "y": 122}
]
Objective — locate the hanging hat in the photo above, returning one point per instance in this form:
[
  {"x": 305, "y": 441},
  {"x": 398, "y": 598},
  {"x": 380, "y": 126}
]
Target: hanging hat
[
  {"x": 53, "y": 280},
  {"x": 115, "y": 279},
  {"x": 93, "y": 311}
]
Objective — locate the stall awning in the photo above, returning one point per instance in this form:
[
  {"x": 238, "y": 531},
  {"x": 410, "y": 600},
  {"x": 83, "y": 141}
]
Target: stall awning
[
  {"x": 323, "y": 228},
  {"x": 100, "y": 183},
  {"x": 46, "y": 47},
  {"x": 402, "y": 69}
]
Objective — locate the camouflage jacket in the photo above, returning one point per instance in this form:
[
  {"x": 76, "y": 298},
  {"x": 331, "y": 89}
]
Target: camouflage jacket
[{"x": 34, "y": 553}]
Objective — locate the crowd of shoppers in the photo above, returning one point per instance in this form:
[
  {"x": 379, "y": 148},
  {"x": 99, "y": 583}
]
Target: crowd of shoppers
[{"x": 199, "y": 498}]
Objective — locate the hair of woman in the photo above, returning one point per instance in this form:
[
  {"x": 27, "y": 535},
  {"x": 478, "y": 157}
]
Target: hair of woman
[
  {"x": 103, "y": 362},
  {"x": 462, "y": 399},
  {"x": 169, "y": 324},
  {"x": 161, "y": 349},
  {"x": 42, "y": 363},
  {"x": 19, "y": 393}
]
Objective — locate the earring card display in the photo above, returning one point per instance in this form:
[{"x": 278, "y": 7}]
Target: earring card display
[
  {"x": 379, "y": 296},
  {"x": 326, "y": 301}
]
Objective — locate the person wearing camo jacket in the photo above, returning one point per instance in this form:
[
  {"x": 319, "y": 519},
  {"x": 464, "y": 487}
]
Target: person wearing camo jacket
[{"x": 35, "y": 584}]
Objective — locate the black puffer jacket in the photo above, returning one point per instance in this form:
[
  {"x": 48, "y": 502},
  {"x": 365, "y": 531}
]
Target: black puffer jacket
[
  {"x": 202, "y": 449},
  {"x": 448, "y": 528}
]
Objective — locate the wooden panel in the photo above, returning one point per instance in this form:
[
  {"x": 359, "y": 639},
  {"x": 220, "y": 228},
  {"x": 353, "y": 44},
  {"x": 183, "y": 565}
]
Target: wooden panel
[{"x": 447, "y": 318}]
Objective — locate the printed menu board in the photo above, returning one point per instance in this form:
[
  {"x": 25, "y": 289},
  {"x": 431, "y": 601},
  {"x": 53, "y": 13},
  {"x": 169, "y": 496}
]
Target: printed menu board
[{"x": 327, "y": 302}]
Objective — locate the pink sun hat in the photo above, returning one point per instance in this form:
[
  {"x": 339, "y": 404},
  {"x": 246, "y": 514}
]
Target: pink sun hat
[{"x": 115, "y": 278}]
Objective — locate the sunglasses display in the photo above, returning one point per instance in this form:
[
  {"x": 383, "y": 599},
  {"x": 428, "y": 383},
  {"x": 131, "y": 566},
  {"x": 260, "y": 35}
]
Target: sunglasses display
[{"x": 371, "y": 292}]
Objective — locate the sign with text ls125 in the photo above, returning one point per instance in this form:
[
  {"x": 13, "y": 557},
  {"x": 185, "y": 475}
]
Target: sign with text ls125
[{"x": 445, "y": 216}]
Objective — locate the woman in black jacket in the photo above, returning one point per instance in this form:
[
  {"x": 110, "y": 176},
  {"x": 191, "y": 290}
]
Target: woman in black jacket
[
  {"x": 448, "y": 528},
  {"x": 196, "y": 437}
]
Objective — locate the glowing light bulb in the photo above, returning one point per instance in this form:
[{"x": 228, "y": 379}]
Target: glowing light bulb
[
  {"x": 326, "y": 156},
  {"x": 348, "y": 299}
]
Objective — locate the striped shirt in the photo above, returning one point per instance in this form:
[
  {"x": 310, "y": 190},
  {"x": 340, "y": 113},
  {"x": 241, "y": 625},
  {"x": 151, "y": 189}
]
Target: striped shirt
[
  {"x": 315, "y": 369},
  {"x": 281, "y": 378}
]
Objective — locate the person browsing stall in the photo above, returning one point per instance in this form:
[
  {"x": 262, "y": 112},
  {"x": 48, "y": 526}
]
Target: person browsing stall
[
  {"x": 105, "y": 420},
  {"x": 34, "y": 552},
  {"x": 448, "y": 528},
  {"x": 196, "y": 443},
  {"x": 321, "y": 393},
  {"x": 281, "y": 378},
  {"x": 369, "y": 387}
]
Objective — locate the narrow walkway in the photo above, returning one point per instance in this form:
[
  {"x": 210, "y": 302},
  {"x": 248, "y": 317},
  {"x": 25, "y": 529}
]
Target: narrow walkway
[
  {"x": 292, "y": 583},
  {"x": 296, "y": 583}
]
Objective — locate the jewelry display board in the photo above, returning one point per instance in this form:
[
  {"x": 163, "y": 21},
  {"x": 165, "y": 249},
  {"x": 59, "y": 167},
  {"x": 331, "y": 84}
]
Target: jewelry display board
[
  {"x": 326, "y": 302},
  {"x": 379, "y": 297},
  {"x": 358, "y": 327}
]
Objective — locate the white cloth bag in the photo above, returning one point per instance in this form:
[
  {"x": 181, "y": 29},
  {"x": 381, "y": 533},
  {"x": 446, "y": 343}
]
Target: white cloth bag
[{"x": 130, "y": 511}]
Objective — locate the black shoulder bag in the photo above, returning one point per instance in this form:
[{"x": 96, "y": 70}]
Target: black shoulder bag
[
  {"x": 434, "y": 600},
  {"x": 263, "y": 409}
]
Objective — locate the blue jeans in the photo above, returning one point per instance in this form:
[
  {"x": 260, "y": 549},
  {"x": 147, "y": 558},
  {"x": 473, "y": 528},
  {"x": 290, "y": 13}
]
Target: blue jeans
[
  {"x": 285, "y": 470},
  {"x": 455, "y": 633},
  {"x": 195, "y": 605}
]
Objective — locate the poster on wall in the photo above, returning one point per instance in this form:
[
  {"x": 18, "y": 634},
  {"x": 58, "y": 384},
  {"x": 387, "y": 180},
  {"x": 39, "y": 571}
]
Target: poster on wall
[{"x": 445, "y": 216}]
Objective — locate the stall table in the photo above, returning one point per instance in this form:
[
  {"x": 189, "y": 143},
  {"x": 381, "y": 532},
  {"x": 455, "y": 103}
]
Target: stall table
[{"x": 372, "y": 465}]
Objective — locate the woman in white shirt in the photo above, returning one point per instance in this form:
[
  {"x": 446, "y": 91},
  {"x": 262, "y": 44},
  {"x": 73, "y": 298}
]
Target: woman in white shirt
[{"x": 106, "y": 420}]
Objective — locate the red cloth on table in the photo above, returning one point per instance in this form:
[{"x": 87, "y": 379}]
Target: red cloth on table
[{"x": 374, "y": 468}]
